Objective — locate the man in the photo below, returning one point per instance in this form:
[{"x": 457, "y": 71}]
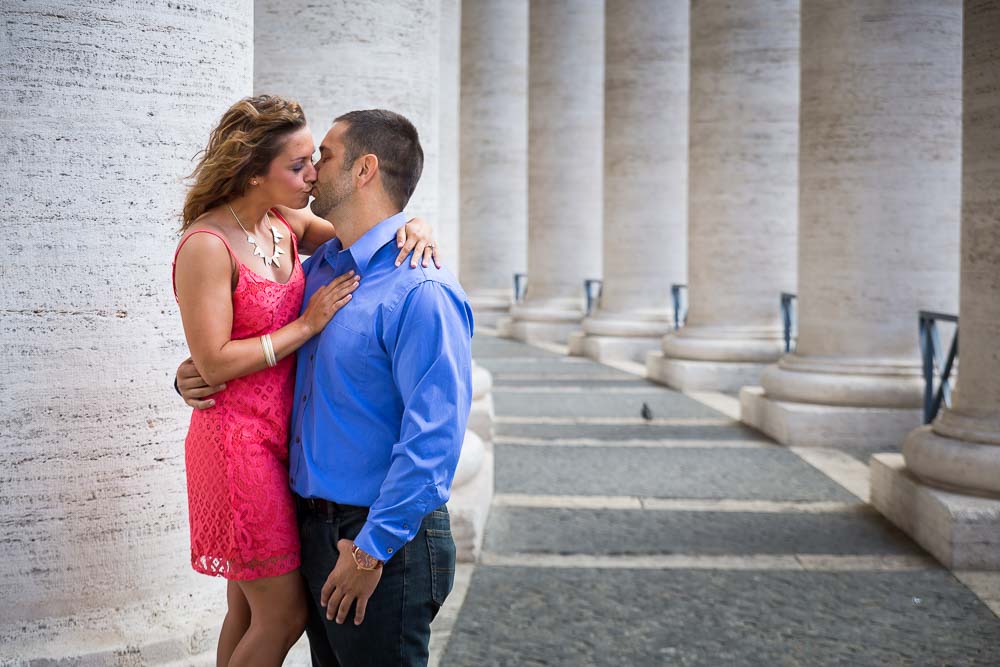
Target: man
[{"x": 382, "y": 397}]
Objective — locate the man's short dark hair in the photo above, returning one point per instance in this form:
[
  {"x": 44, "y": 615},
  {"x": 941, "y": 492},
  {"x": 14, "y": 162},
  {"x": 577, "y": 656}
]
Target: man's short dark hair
[{"x": 394, "y": 141}]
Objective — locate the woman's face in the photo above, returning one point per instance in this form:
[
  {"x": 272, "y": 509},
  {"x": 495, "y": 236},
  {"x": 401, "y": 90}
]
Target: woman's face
[{"x": 291, "y": 174}]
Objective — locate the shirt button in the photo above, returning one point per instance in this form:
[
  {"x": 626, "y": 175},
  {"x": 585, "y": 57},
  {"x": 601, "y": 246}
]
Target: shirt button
[
  {"x": 304, "y": 398},
  {"x": 311, "y": 357},
  {"x": 406, "y": 526},
  {"x": 389, "y": 549},
  {"x": 298, "y": 440}
]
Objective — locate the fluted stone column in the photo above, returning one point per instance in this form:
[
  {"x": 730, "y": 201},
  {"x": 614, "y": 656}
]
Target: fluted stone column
[
  {"x": 566, "y": 133},
  {"x": 645, "y": 178},
  {"x": 494, "y": 153},
  {"x": 101, "y": 109},
  {"x": 879, "y": 219},
  {"x": 742, "y": 193},
  {"x": 960, "y": 452},
  {"x": 338, "y": 56}
]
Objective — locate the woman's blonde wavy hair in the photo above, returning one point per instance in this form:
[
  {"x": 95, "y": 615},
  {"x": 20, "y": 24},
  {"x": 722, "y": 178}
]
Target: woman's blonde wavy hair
[{"x": 248, "y": 137}]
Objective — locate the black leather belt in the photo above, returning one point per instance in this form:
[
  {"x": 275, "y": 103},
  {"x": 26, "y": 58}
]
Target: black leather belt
[{"x": 326, "y": 508}]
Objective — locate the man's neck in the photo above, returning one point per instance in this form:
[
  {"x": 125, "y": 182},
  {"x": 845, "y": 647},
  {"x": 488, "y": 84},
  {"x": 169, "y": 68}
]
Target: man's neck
[{"x": 354, "y": 219}]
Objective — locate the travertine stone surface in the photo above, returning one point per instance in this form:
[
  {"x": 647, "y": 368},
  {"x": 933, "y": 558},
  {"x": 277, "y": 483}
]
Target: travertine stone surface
[
  {"x": 879, "y": 204},
  {"x": 645, "y": 175},
  {"x": 565, "y": 165},
  {"x": 962, "y": 449},
  {"x": 494, "y": 153},
  {"x": 447, "y": 224},
  {"x": 338, "y": 56},
  {"x": 742, "y": 185},
  {"x": 102, "y": 107}
]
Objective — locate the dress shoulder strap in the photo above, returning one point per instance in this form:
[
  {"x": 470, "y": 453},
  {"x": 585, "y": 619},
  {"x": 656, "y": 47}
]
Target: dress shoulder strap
[{"x": 173, "y": 269}]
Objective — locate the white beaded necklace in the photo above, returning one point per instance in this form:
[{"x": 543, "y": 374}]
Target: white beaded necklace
[{"x": 257, "y": 250}]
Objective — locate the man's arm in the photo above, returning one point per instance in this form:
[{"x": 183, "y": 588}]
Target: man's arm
[{"x": 429, "y": 342}]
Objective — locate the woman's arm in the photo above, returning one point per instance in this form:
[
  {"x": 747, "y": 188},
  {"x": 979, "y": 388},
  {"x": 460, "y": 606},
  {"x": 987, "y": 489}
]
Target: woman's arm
[
  {"x": 312, "y": 231},
  {"x": 204, "y": 292}
]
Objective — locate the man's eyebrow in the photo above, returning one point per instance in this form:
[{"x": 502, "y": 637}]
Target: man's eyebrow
[{"x": 323, "y": 149}]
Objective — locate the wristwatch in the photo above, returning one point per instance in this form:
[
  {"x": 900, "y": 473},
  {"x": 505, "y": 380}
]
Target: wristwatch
[{"x": 363, "y": 560}]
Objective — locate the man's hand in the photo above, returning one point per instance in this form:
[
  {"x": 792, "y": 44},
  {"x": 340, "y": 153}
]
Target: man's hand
[
  {"x": 347, "y": 584},
  {"x": 193, "y": 387}
]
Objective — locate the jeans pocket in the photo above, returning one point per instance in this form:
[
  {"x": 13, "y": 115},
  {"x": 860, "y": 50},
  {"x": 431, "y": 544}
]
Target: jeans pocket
[{"x": 441, "y": 550}]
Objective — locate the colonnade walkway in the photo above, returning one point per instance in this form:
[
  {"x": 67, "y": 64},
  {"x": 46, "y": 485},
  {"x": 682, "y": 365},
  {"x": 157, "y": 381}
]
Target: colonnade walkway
[{"x": 674, "y": 535}]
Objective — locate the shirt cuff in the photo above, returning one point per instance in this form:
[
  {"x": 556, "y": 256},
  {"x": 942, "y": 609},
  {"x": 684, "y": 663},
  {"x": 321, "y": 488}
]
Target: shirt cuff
[{"x": 378, "y": 542}]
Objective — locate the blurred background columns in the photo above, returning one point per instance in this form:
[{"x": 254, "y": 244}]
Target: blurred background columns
[
  {"x": 645, "y": 178},
  {"x": 879, "y": 219},
  {"x": 565, "y": 166},
  {"x": 744, "y": 139}
]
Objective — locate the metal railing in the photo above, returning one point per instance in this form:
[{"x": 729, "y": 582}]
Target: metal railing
[
  {"x": 675, "y": 297},
  {"x": 593, "y": 295},
  {"x": 520, "y": 285},
  {"x": 788, "y": 318},
  {"x": 935, "y": 363}
]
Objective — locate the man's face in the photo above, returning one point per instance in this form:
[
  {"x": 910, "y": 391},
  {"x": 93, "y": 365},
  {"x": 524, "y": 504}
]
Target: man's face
[{"x": 334, "y": 180}]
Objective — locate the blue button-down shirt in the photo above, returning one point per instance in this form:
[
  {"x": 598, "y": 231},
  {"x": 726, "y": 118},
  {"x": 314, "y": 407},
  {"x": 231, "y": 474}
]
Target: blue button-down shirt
[{"x": 382, "y": 394}]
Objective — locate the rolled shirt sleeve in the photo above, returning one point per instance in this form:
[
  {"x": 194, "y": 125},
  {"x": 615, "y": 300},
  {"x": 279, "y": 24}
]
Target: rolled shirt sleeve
[{"x": 428, "y": 337}]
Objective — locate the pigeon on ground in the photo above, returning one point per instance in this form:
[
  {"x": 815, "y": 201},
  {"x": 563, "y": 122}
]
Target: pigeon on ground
[{"x": 646, "y": 413}]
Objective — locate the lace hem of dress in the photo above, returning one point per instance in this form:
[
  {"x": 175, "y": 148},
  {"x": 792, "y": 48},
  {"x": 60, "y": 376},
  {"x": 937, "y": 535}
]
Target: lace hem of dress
[{"x": 217, "y": 566}]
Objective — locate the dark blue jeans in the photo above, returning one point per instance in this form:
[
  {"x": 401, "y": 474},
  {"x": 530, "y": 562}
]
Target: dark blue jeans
[{"x": 414, "y": 585}]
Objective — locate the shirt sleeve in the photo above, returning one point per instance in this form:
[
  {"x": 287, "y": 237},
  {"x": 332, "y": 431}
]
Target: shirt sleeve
[{"x": 429, "y": 342}]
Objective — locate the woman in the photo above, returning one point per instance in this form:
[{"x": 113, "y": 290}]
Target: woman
[{"x": 239, "y": 285}]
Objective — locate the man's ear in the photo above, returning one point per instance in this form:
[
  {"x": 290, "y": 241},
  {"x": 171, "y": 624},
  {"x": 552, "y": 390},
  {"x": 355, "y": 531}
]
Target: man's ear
[{"x": 369, "y": 168}]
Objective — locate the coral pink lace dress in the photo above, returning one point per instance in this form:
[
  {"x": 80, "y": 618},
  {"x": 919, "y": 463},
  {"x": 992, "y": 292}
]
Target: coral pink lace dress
[{"x": 240, "y": 506}]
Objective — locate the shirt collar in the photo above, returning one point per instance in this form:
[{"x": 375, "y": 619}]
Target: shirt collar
[{"x": 365, "y": 247}]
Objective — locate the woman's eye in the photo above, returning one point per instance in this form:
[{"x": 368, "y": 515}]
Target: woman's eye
[{"x": 297, "y": 168}]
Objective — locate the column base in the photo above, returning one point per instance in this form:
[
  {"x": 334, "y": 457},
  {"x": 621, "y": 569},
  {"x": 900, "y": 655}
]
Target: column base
[
  {"x": 687, "y": 374},
  {"x": 176, "y": 629},
  {"x": 481, "y": 414},
  {"x": 469, "y": 506},
  {"x": 612, "y": 348},
  {"x": 489, "y": 307},
  {"x": 810, "y": 425},
  {"x": 963, "y": 532},
  {"x": 546, "y": 332}
]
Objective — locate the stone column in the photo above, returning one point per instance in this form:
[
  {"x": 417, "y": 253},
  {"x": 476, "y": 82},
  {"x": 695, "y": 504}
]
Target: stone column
[
  {"x": 103, "y": 107},
  {"x": 879, "y": 219},
  {"x": 565, "y": 165},
  {"x": 494, "y": 153},
  {"x": 742, "y": 193},
  {"x": 400, "y": 55},
  {"x": 447, "y": 224},
  {"x": 338, "y": 56},
  {"x": 645, "y": 178},
  {"x": 944, "y": 489}
]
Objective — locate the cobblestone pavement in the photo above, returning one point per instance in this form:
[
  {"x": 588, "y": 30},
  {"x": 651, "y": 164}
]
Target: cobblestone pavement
[{"x": 687, "y": 539}]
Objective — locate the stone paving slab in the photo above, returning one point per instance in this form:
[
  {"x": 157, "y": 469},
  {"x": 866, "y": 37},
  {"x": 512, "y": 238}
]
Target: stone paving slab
[
  {"x": 572, "y": 385},
  {"x": 745, "y": 474},
  {"x": 490, "y": 346},
  {"x": 662, "y": 405},
  {"x": 545, "y": 368},
  {"x": 619, "y": 432},
  {"x": 638, "y": 532},
  {"x": 647, "y": 618}
]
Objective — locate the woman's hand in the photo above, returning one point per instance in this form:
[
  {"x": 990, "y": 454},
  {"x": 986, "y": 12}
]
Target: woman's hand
[
  {"x": 417, "y": 237},
  {"x": 327, "y": 300}
]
